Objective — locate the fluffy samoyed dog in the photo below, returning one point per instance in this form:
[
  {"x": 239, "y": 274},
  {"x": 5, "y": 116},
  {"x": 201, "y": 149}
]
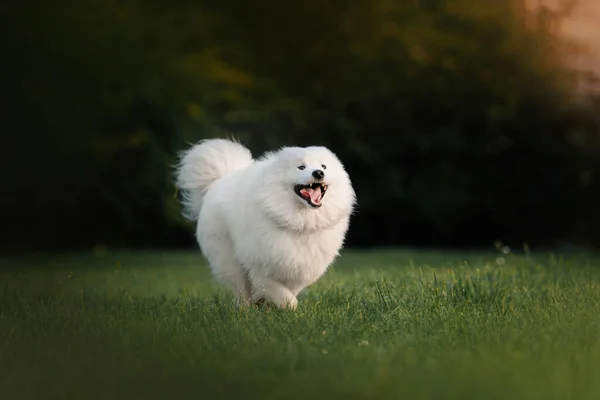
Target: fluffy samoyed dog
[{"x": 268, "y": 227}]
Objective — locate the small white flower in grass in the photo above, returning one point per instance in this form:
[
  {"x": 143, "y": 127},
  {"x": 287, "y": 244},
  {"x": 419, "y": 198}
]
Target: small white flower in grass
[
  {"x": 363, "y": 343},
  {"x": 500, "y": 261},
  {"x": 324, "y": 333}
]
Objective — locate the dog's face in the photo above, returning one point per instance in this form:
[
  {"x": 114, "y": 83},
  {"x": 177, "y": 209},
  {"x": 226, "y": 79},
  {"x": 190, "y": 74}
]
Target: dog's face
[{"x": 315, "y": 188}]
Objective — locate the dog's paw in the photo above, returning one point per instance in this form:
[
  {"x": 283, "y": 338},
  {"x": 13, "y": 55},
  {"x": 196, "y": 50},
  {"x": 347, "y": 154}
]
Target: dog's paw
[{"x": 292, "y": 304}]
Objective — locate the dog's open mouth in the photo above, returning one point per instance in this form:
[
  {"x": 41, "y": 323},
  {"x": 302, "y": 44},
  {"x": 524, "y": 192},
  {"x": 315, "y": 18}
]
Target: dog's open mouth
[{"x": 313, "y": 193}]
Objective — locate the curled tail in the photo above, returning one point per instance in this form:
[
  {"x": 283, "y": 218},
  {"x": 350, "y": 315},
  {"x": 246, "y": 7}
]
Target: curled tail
[{"x": 204, "y": 163}]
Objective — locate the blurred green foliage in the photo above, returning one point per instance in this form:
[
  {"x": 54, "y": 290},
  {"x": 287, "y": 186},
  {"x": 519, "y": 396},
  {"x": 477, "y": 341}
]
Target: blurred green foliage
[{"x": 457, "y": 123}]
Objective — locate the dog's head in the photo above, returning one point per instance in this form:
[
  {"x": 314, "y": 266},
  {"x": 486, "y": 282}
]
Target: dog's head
[{"x": 308, "y": 188}]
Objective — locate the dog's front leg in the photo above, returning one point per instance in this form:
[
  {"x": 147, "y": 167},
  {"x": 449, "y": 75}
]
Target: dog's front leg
[{"x": 273, "y": 291}]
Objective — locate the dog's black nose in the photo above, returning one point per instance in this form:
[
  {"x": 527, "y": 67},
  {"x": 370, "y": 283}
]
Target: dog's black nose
[{"x": 318, "y": 174}]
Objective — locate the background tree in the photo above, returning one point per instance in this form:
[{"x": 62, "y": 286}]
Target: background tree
[{"x": 455, "y": 120}]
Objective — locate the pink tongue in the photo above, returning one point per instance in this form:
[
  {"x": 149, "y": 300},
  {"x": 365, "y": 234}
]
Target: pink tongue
[{"x": 314, "y": 194}]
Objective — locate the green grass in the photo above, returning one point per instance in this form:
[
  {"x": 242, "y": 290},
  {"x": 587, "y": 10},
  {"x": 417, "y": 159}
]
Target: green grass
[{"x": 385, "y": 324}]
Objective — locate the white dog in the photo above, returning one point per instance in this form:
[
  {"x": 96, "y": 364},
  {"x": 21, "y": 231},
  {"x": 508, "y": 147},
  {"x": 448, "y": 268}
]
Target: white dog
[{"x": 268, "y": 227}]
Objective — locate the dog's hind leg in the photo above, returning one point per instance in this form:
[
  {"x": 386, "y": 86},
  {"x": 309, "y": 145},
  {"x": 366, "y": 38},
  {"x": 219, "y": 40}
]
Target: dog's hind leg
[
  {"x": 239, "y": 283},
  {"x": 226, "y": 269},
  {"x": 230, "y": 273}
]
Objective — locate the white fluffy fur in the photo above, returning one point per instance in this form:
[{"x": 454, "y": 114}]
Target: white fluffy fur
[{"x": 261, "y": 239}]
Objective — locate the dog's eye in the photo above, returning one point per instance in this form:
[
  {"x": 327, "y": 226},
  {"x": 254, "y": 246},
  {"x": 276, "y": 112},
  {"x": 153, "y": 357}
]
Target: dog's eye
[
  {"x": 301, "y": 167},
  {"x": 323, "y": 166}
]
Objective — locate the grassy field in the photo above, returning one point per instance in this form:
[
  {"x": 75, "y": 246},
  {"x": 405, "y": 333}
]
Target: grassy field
[{"x": 386, "y": 324}]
